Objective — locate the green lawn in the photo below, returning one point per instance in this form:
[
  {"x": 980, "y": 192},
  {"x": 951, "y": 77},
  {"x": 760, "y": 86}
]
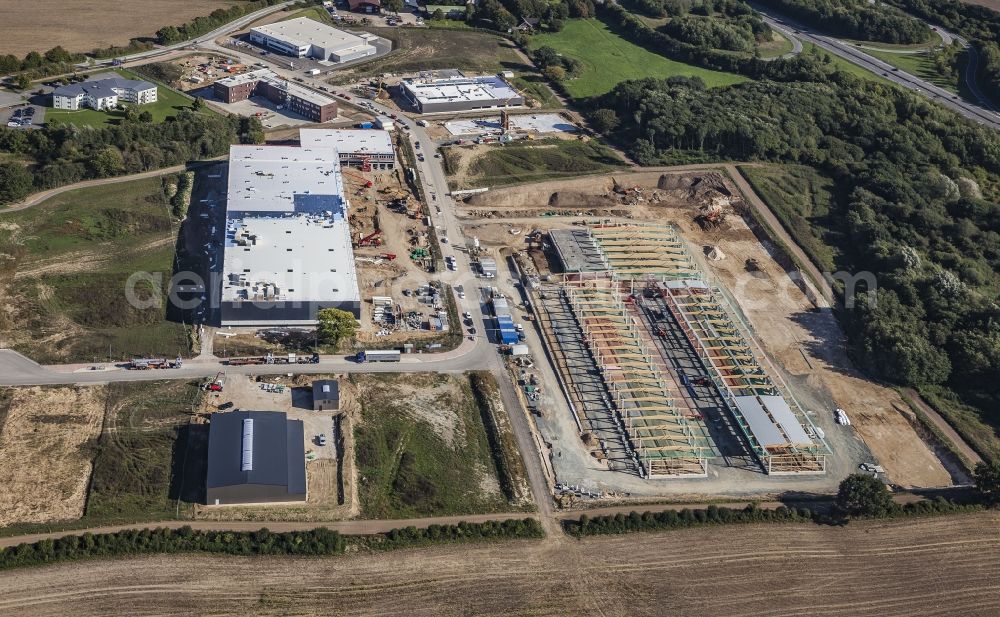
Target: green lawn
[
  {"x": 74, "y": 253},
  {"x": 168, "y": 103},
  {"x": 422, "y": 449},
  {"x": 609, "y": 59}
]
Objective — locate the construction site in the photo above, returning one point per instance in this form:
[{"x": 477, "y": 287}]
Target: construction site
[
  {"x": 634, "y": 293},
  {"x": 687, "y": 357},
  {"x": 394, "y": 255}
]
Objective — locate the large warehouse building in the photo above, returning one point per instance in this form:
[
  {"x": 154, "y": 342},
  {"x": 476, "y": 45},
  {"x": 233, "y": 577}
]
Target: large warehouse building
[
  {"x": 368, "y": 149},
  {"x": 308, "y": 38},
  {"x": 288, "y": 247},
  {"x": 255, "y": 457},
  {"x": 104, "y": 93},
  {"x": 460, "y": 93},
  {"x": 263, "y": 82}
]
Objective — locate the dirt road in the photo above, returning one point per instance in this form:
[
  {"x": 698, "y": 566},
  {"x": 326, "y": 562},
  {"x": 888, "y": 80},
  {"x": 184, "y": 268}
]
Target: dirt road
[
  {"x": 36, "y": 198},
  {"x": 933, "y": 566},
  {"x": 942, "y": 425}
]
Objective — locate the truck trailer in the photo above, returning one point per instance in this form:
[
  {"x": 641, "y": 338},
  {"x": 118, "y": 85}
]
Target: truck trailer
[{"x": 378, "y": 355}]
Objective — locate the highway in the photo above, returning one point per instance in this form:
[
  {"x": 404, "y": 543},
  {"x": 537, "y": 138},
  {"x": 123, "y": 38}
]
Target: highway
[{"x": 854, "y": 55}]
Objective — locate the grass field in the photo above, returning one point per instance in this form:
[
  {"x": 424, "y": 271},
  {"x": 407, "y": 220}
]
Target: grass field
[
  {"x": 804, "y": 200},
  {"x": 978, "y": 423},
  {"x": 609, "y": 59},
  {"x": 141, "y": 464},
  {"x": 415, "y": 49},
  {"x": 920, "y": 65},
  {"x": 777, "y": 46},
  {"x": 540, "y": 160},
  {"x": 422, "y": 448},
  {"x": 140, "y": 469},
  {"x": 168, "y": 103},
  {"x": 70, "y": 259}
]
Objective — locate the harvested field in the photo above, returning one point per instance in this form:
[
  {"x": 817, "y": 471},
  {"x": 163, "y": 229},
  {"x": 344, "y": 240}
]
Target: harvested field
[
  {"x": 45, "y": 452},
  {"x": 932, "y": 566},
  {"x": 83, "y": 26}
]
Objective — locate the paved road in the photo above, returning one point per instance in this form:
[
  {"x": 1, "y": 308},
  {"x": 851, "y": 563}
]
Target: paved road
[{"x": 972, "y": 111}]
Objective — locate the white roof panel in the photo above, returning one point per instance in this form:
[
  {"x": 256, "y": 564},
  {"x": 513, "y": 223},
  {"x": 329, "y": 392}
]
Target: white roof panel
[
  {"x": 786, "y": 419},
  {"x": 763, "y": 429}
]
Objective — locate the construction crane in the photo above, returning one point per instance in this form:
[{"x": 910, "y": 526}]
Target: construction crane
[
  {"x": 371, "y": 239},
  {"x": 365, "y": 181}
]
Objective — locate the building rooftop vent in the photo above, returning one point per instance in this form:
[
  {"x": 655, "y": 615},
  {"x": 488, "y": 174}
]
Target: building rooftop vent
[{"x": 246, "y": 463}]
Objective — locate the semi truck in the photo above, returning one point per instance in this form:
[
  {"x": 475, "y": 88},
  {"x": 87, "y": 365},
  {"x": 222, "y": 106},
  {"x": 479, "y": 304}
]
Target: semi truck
[
  {"x": 377, "y": 355},
  {"x": 144, "y": 364},
  {"x": 275, "y": 359}
]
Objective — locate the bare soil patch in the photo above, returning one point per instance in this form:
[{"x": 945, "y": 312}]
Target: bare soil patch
[
  {"x": 45, "y": 458},
  {"x": 83, "y": 26},
  {"x": 862, "y": 569}
]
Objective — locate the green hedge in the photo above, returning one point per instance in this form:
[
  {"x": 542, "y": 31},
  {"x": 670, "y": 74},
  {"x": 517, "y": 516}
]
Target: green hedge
[
  {"x": 719, "y": 515},
  {"x": 318, "y": 542}
]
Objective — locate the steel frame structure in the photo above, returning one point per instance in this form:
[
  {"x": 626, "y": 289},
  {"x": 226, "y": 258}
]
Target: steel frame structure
[{"x": 662, "y": 438}]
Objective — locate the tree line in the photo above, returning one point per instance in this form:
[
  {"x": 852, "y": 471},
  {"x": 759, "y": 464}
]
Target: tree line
[
  {"x": 314, "y": 542},
  {"x": 66, "y": 154},
  {"x": 855, "y": 19},
  {"x": 919, "y": 205},
  {"x": 859, "y": 496}
]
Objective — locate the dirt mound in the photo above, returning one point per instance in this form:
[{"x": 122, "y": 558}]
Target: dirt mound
[
  {"x": 577, "y": 199},
  {"x": 704, "y": 188}
]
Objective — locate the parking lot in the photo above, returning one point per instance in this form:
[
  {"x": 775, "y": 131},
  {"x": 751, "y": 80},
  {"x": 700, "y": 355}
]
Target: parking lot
[{"x": 23, "y": 116}]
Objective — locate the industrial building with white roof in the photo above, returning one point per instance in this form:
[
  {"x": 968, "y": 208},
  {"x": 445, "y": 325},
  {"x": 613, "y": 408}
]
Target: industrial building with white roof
[
  {"x": 460, "y": 93},
  {"x": 371, "y": 148},
  {"x": 287, "y": 240},
  {"x": 304, "y": 37}
]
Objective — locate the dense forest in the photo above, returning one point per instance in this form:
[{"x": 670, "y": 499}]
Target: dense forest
[
  {"x": 739, "y": 34},
  {"x": 855, "y": 19},
  {"x": 67, "y": 154},
  {"x": 920, "y": 209}
]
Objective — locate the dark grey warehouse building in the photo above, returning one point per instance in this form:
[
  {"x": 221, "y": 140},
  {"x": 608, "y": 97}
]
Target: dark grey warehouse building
[{"x": 255, "y": 457}]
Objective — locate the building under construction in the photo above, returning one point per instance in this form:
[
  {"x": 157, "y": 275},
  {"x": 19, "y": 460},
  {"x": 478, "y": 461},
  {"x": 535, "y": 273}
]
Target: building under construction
[{"x": 626, "y": 286}]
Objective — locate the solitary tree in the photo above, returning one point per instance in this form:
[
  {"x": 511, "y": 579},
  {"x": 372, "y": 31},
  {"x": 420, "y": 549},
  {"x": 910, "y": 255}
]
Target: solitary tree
[
  {"x": 605, "y": 120},
  {"x": 988, "y": 482},
  {"x": 198, "y": 104},
  {"x": 334, "y": 325},
  {"x": 864, "y": 495},
  {"x": 392, "y": 5},
  {"x": 555, "y": 73}
]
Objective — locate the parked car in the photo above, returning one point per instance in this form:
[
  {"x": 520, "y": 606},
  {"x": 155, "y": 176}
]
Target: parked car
[
  {"x": 321, "y": 439},
  {"x": 226, "y": 405}
]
